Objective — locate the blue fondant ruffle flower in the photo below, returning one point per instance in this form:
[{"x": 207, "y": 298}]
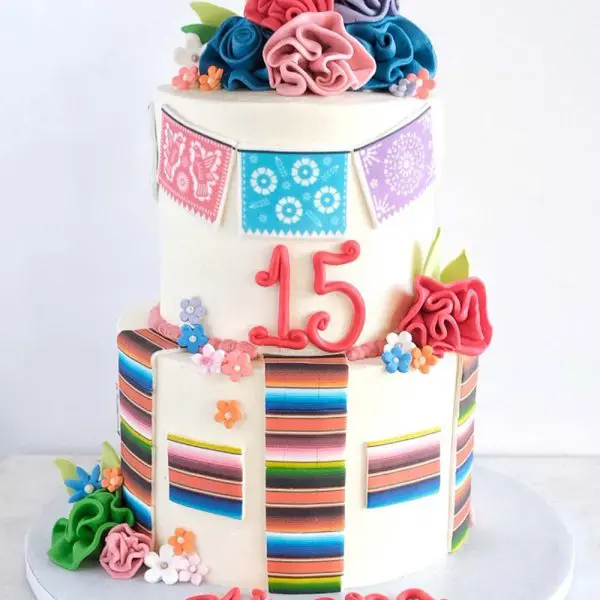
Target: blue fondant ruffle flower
[
  {"x": 237, "y": 48},
  {"x": 85, "y": 484},
  {"x": 396, "y": 360},
  {"x": 192, "y": 338},
  {"x": 399, "y": 48},
  {"x": 192, "y": 311}
]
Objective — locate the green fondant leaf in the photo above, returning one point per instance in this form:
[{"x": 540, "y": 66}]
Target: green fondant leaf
[
  {"x": 68, "y": 470},
  {"x": 431, "y": 268},
  {"x": 417, "y": 260},
  {"x": 109, "y": 459},
  {"x": 204, "y": 32},
  {"x": 211, "y": 14},
  {"x": 456, "y": 270},
  {"x": 82, "y": 534}
]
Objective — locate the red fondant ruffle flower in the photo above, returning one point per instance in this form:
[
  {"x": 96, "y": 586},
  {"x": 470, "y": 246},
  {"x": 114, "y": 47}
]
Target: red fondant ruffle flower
[
  {"x": 449, "y": 317},
  {"x": 272, "y": 14}
]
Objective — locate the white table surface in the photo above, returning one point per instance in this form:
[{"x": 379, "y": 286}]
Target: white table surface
[{"x": 570, "y": 485}]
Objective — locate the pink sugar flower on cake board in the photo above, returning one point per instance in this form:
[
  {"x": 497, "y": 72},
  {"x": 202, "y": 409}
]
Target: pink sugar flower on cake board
[{"x": 192, "y": 570}]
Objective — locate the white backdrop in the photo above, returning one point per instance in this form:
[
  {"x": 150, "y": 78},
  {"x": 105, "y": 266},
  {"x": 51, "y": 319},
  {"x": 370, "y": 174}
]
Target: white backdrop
[{"x": 79, "y": 240}]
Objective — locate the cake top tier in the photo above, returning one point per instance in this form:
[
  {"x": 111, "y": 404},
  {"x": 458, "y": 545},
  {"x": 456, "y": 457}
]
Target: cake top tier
[{"x": 298, "y": 47}]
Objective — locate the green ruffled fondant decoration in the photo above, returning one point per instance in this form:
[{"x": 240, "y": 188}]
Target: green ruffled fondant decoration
[{"x": 82, "y": 534}]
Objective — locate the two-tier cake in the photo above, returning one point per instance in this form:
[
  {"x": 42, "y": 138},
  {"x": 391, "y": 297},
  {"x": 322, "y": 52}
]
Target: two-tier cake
[{"x": 296, "y": 411}]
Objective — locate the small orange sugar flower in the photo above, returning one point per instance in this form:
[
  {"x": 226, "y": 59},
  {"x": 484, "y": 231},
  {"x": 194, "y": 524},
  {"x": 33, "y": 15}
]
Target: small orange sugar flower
[
  {"x": 113, "y": 479},
  {"x": 228, "y": 412},
  {"x": 182, "y": 541},
  {"x": 211, "y": 81},
  {"x": 423, "y": 359}
]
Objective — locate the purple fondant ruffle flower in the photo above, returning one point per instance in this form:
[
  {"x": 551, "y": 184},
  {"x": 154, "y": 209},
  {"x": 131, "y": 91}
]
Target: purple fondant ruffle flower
[
  {"x": 192, "y": 311},
  {"x": 355, "y": 11}
]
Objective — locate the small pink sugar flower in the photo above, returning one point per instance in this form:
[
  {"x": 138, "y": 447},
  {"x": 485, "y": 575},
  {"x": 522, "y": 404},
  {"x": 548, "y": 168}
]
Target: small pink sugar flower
[
  {"x": 208, "y": 359},
  {"x": 186, "y": 79},
  {"x": 424, "y": 83},
  {"x": 192, "y": 570},
  {"x": 237, "y": 365}
]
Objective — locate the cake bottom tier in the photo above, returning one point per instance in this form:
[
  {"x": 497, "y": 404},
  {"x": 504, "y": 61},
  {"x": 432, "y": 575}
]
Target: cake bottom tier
[{"x": 331, "y": 475}]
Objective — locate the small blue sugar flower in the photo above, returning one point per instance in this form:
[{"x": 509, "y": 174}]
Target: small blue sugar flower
[
  {"x": 192, "y": 338},
  {"x": 396, "y": 360},
  {"x": 85, "y": 484}
]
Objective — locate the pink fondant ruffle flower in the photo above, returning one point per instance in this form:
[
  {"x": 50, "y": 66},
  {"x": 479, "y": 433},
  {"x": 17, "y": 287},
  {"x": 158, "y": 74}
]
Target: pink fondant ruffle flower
[
  {"x": 449, "y": 317},
  {"x": 124, "y": 552},
  {"x": 186, "y": 79},
  {"x": 315, "y": 53},
  {"x": 272, "y": 14},
  {"x": 237, "y": 365},
  {"x": 209, "y": 360}
]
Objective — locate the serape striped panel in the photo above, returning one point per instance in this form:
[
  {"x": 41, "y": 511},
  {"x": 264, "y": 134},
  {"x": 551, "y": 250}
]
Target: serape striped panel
[
  {"x": 205, "y": 476},
  {"x": 404, "y": 468},
  {"x": 136, "y": 384},
  {"x": 305, "y": 442},
  {"x": 464, "y": 451}
]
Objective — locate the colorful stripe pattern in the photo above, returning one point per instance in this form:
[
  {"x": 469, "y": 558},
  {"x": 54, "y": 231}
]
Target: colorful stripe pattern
[
  {"x": 305, "y": 440},
  {"x": 404, "y": 468},
  {"x": 205, "y": 476},
  {"x": 136, "y": 404},
  {"x": 464, "y": 452}
]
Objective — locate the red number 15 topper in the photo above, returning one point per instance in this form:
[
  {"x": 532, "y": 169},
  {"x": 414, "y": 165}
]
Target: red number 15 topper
[{"x": 279, "y": 272}]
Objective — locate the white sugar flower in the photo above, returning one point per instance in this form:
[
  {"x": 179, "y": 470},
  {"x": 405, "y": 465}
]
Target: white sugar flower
[
  {"x": 403, "y": 340},
  {"x": 164, "y": 566},
  {"x": 189, "y": 55}
]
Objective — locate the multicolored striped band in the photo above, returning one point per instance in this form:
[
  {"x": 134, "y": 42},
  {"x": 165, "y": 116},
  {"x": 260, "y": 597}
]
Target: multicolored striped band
[
  {"x": 136, "y": 405},
  {"x": 404, "y": 468},
  {"x": 205, "y": 476},
  {"x": 465, "y": 431},
  {"x": 305, "y": 440}
]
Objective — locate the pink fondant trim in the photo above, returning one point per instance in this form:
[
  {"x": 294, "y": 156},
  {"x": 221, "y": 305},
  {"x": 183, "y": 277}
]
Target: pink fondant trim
[
  {"x": 367, "y": 350},
  {"x": 172, "y": 332},
  {"x": 371, "y": 349},
  {"x": 156, "y": 322}
]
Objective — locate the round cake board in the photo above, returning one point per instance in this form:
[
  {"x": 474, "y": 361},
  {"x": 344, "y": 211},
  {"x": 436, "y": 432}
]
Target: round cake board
[{"x": 518, "y": 549}]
